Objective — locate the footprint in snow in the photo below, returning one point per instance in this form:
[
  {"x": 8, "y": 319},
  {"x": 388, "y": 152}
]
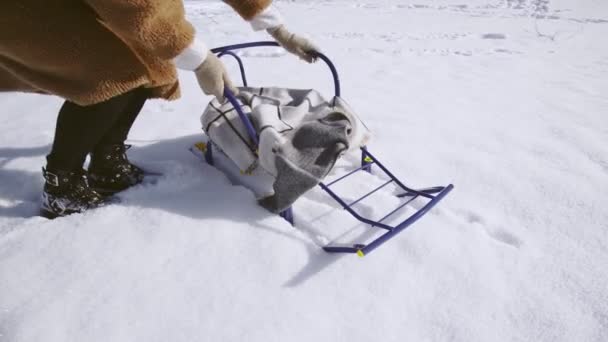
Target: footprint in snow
[
  {"x": 497, "y": 233},
  {"x": 494, "y": 36},
  {"x": 505, "y": 237}
]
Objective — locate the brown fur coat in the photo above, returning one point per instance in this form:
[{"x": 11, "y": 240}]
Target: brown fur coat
[{"x": 88, "y": 51}]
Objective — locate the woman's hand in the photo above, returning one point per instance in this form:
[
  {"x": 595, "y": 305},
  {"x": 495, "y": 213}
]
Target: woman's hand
[
  {"x": 295, "y": 44},
  {"x": 212, "y": 77}
]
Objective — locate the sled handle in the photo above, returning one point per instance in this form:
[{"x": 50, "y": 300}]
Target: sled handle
[
  {"x": 224, "y": 50},
  {"x": 239, "y": 109},
  {"x": 239, "y": 61}
]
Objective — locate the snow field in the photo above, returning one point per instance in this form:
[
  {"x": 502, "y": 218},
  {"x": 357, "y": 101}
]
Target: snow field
[{"x": 505, "y": 99}]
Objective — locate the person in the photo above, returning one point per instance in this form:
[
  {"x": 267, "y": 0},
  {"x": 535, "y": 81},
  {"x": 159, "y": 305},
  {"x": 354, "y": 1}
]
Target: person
[{"x": 106, "y": 58}]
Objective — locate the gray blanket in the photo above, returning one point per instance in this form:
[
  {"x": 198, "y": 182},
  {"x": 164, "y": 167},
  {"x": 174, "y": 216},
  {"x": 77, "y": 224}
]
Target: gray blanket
[{"x": 301, "y": 135}]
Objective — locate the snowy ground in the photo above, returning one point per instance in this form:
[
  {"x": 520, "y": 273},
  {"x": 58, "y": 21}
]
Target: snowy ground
[{"x": 506, "y": 99}]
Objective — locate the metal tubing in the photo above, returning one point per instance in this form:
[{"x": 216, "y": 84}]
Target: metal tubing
[
  {"x": 348, "y": 174},
  {"x": 370, "y": 193},
  {"x": 248, "y": 125},
  {"x": 209, "y": 153},
  {"x": 239, "y": 60},
  {"x": 287, "y": 214},
  {"x": 387, "y": 236},
  {"x": 397, "y": 209},
  {"x": 334, "y": 73},
  {"x": 244, "y": 46},
  {"x": 330, "y": 64},
  {"x": 364, "y": 160},
  {"x": 340, "y": 249},
  {"x": 351, "y": 211},
  {"x": 395, "y": 178},
  {"x": 432, "y": 190}
]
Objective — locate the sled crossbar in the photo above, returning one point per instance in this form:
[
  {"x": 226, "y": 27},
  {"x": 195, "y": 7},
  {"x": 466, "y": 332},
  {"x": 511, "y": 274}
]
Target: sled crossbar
[
  {"x": 433, "y": 195},
  {"x": 369, "y": 193},
  {"x": 362, "y": 167}
]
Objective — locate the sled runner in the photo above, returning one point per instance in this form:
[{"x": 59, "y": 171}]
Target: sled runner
[{"x": 433, "y": 195}]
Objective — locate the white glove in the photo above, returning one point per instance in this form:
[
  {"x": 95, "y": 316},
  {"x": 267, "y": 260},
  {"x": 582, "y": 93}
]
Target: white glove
[
  {"x": 293, "y": 43},
  {"x": 212, "y": 77},
  {"x": 209, "y": 70}
]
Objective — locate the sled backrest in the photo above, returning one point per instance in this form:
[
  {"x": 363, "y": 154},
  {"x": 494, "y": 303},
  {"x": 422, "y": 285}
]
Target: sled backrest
[{"x": 230, "y": 96}]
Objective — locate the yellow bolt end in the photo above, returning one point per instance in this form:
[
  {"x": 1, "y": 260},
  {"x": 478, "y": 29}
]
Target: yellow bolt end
[
  {"x": 360, "y": 253},
  {"x": 201, "y": 146},
  {"x": 368, "y": 159}
]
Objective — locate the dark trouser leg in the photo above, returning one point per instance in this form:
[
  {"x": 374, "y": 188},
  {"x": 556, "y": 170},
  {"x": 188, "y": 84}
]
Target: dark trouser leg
[
  {"x": 80, "y": 129},
  {"x": 118, "y": 133}
]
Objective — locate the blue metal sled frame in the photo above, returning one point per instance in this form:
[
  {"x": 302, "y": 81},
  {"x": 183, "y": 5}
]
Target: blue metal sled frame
[{"x": 432, "y": 195}]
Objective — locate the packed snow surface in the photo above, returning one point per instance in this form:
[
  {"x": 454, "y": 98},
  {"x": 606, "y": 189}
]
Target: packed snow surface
[{"x": 507, "y": 100}]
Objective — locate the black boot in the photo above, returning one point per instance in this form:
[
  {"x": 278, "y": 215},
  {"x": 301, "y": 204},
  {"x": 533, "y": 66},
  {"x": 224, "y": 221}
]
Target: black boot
[
  {"x": 111, "y": 171},
  {"x": 67, "y": 192}
]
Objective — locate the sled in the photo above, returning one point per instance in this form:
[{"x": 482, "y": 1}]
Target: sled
[{"x": 432, "y": 195}]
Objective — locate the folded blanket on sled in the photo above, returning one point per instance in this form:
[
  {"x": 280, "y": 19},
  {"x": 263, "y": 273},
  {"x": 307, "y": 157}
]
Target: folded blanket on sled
[{"x": 301, "y": 135}]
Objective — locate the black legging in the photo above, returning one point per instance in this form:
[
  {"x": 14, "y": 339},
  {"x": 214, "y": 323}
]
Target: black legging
[{"x": 81, "y": 129}]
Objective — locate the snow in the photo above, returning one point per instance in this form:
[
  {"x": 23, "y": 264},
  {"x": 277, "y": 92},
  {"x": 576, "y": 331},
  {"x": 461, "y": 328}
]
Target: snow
[{"x": 505, "y": 99}]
